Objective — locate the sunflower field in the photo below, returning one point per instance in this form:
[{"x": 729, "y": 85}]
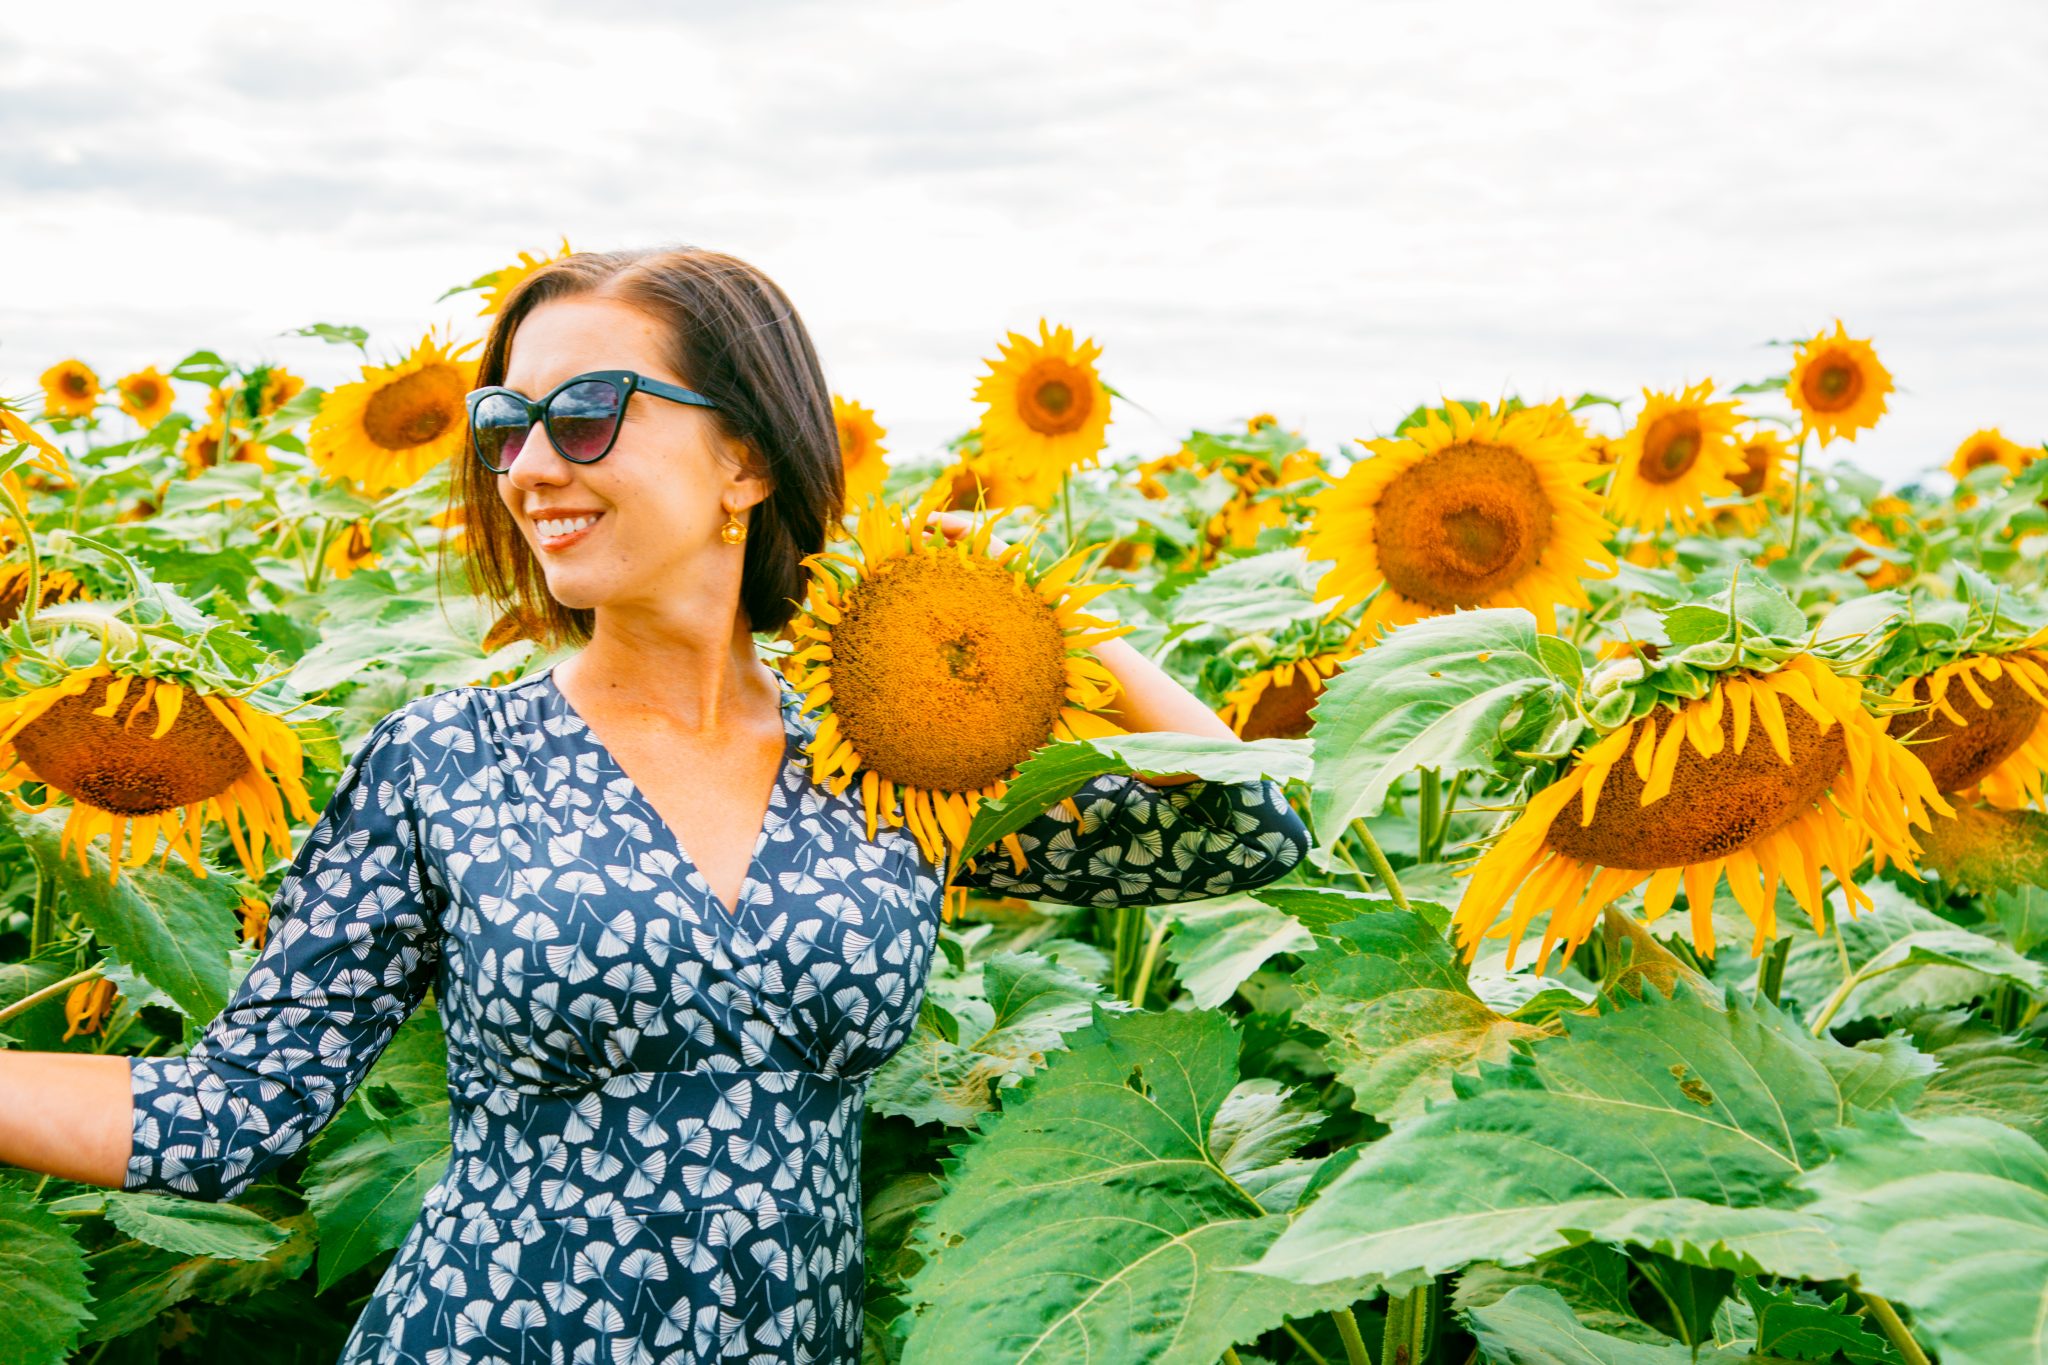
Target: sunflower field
[{"x": 1665, "y": 981}]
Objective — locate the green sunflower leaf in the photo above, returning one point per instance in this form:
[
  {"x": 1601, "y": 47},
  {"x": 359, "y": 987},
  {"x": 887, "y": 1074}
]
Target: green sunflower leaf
[
  {"x": 43, "y": 1288},
  {"x": 193, "y": 1228},
  {"x": 1458, "y": 693},
  {"x": 366, "y": 1195},
  {"x": 1948, "y": 1217},
  {"x": 1672, "y": 1123},
  {"x": 1401, "y": 1020},
  {"x": 1116, "y": 1183}
]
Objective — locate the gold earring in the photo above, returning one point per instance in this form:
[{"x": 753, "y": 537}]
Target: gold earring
[{"x": 733, "y": 532}]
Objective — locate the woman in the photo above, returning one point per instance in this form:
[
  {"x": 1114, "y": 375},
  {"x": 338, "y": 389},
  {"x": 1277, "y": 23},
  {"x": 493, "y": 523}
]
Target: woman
[{"x": 663, "y": 994}]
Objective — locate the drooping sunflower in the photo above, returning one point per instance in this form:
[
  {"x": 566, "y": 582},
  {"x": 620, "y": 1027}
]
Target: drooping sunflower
[
  {"x": 914, "y": 628},
  {"x": 1837, "y": 385},
  {"x": 1482, "y": 510},
  {"x": 139, "y": 757},
  {"x": 1989, "y": 446},
  {"x": 46, "y": 457},
  {"x": 861, "y": 453},
  {"x": 70, "y": 389},
  {"x": 1981, "y": 722},
  {"x": 1769, "y": 778},
  {"x": 1274, "y": 702},
  {"x": 1046, "y": 408},
  {"x": 350, "y": 550},
  {"x": 254, "y": 914},
  {"x": 1681, "y": 451},
  {"x": 398, "y": 421},
  {"x": 52, "y": 586},
  {"x": 144, "y": 395},
  {"x": 500, "y": 283},
  {"x": 88, "y": 1007}
]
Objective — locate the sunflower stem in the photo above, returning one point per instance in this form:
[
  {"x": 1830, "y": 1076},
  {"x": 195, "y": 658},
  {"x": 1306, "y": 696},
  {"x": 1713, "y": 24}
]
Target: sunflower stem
[
  {"x": 1354, "y": 1340},
  {"x": 1798, "y": 495},
  {"x": 1357, "y": 872},
  {"x": 30, "y": 1001},
  {"x": 1380, "y": 865},
  {"x": 1894, "y": 1328},
  {"x": 1149, "y": 961},
  {"x": 1067, "y": 505},
  {"x": 1231, "y": 1357}
]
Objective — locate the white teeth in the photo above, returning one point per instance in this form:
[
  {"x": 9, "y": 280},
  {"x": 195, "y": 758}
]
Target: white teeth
[{"x": 558, "y": 527}]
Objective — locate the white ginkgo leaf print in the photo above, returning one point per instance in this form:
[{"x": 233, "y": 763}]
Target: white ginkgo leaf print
[{"x": 656, "y": 1101}]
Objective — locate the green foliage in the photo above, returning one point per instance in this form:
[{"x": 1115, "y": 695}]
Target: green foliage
[
  {"x": 1453, "y": 694},
  {"x": 42, "y": 1282},
  {"x": 1674, "y": 1123},
  {"x": 1117, "y": 1182},
  {"x": 1218, "y": 944},
  {"x": 1948, "y": 1216},
  {"x": 1402, "y": 1021}
]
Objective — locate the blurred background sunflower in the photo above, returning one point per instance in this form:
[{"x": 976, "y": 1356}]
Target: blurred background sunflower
[
  {"x": 1837, "y": 385},
  {"x": 1680, "y": 452},
  {"x": 398, "y": 421}
]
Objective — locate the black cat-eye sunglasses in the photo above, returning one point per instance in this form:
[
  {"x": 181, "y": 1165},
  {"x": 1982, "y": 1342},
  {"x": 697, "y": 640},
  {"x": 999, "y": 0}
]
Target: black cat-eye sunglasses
[{"x": 581, "y": 415}]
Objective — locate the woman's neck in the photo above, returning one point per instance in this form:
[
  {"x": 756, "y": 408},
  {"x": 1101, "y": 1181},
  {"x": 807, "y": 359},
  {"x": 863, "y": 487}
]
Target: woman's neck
[{"x": 695, "y": 679}]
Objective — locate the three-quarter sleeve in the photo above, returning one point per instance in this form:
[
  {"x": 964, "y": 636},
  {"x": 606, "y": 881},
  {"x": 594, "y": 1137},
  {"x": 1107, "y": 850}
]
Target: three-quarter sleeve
[
  {"x": 1137, "y": 844},
  {"x": 354, "y": 943}
]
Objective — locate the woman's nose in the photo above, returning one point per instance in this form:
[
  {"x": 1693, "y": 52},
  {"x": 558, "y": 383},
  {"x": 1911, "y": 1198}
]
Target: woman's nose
[{"x": 538, "y": 464}]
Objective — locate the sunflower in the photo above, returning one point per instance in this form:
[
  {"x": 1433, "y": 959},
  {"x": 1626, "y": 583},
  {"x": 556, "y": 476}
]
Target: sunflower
[
  {"x": 916, "y": 628},
  {"x": 1982, "y": 722},
  {"x": 398, "y": 421},
  {"x": 1876, "y": 572},
  {"x": 1485, "y": 510},
  {"x": 1148, "y": 472},
  {"x": 975, "y": 480},
  {"x": 1681, "y": 451},
  {"x": 1274, "y": 702},
  {"x": 88, "y": 1007},
  {"x": 1989, "y": 446},
  {"x": 70, "y": 389},
  {"x": 201, "y": 450},
  {"x": 221, "y": 760},
  {"x": 1837, "y": 385},
  {"x": 1046, "y": 408},
  {"x": 279, "y": 387},
  {"x": 255, "y": 916},
  {"x": 502, "y": 282},
  {"x": 1761, "y": 480},
  {"x": 1768, "y": 778},
  {"x": 145, "y": 396},
  {"x": 351, "y": 550},
  {"x": 860, "y": 450},
  {"x": 52, "y": 586}
]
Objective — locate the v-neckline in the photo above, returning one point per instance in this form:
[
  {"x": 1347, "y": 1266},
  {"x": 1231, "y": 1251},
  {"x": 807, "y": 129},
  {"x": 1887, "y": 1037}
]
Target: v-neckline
[{"x": 658, "y": 821}]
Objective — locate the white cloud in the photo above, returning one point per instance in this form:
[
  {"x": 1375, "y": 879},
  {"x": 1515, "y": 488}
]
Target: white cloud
[{"x": 1328, "y": 211}]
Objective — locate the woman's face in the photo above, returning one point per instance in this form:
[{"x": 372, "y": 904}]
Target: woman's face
[{"x": 639, "y": 528}]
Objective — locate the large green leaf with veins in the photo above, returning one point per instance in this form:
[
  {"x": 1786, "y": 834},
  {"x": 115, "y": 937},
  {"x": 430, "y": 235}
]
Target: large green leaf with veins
[
  {"x": 1453, "y": 694},
  {"x": 1677, "y": 1124},
  {"x": 42, "y": 1283},
  {"x": 1948, "y": 1216},
  {"x": 1091, "y": 1218},
  {"x": 1401, "y": 1019}
]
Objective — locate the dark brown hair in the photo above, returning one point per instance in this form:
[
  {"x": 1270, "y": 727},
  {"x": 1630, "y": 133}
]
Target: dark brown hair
[{"x": 732, "y": 335}]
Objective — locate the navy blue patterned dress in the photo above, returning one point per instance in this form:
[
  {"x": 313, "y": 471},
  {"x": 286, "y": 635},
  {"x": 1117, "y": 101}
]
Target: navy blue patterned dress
[{"x": 657, "y": 1102}]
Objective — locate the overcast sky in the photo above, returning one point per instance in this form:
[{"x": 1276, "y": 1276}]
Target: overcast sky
[{"x": 1331, "y": 212}]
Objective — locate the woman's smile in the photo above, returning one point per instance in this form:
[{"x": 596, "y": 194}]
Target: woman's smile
[{"x": 558, "y": 530}]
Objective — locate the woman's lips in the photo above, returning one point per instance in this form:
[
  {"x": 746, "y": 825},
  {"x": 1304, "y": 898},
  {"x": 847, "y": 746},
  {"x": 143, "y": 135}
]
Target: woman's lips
[{"x": 558, "y": 533}]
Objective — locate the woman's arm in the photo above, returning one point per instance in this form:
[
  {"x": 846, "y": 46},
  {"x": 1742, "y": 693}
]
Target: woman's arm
[
  {"x": 66, "y": 1114},
  {"x": 354, "y": 945},
  {"x": 1148, "y": 698}
]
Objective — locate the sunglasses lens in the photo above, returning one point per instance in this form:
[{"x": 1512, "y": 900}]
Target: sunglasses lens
[
  {"x": 501, "y": 425},
  {"x": 583, "y": 419}
]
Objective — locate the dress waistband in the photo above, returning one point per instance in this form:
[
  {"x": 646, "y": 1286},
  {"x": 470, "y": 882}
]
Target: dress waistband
[{"x": 643, "y": 1143}]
